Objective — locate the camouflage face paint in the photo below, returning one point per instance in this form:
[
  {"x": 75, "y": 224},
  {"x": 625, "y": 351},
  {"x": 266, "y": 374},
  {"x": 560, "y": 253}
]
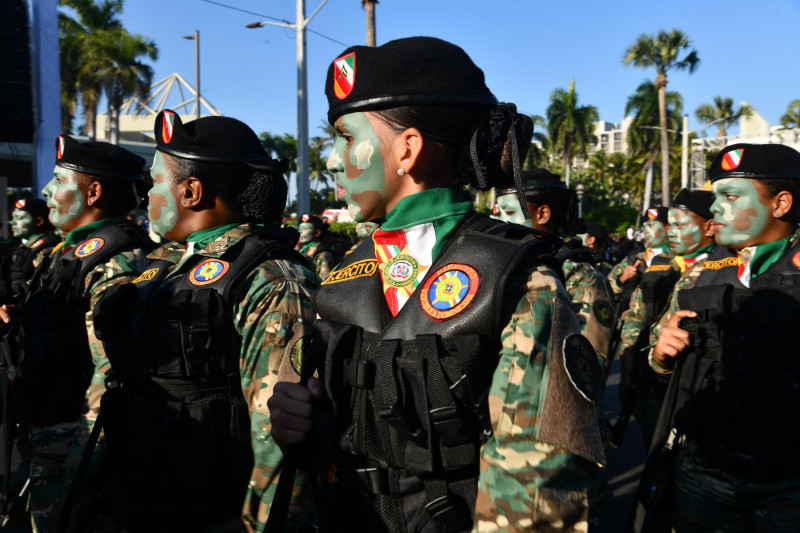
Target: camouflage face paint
[
  {"x": 684, "y": 234},
  {"x": 739, "y": 214},
  {"x": 162, "y": 209},
  {"x": 510, "y": 210},
  {"x": 365, "y": 229},
  {"x": 306, "y": 230},
  {"x": 654, "y": 233},
  {"x": 358, "y": 164},
  {"x": 64, "y": 198},
  {"x": 21, "y": 223}
]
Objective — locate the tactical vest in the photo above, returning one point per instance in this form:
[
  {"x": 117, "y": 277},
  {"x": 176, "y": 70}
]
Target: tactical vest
[
  {"x": 179, "y": 426},
  {"x": 21, "y": 266},
  {"x": 55, "y": 364},
  {"x": 656, "y": 284},
  {"x": 743, "y": 372},
  {"x": 407, "y": 405}
]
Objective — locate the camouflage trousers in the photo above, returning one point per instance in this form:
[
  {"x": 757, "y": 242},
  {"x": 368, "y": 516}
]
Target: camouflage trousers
[
  {"x": 56, "y": 453},
  {"x": 707, "y": 499}
]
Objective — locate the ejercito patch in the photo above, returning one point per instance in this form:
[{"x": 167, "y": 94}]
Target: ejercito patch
[
  {"x": 722, "y": 263},
  {"x": 359, "y": 269},
  {"x": 147, "y": 275},
  {"x": 582, "y": 366},
  {"x": 657, "y": 268}
]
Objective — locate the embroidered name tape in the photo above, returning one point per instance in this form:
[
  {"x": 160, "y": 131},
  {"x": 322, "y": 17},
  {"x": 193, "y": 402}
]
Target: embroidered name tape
[
  {"x": 657, "y": 268},
  {"x": 721, "y": 263},
  {"x": 147, "y": 275},
  {"x": 359, "y": 269}
]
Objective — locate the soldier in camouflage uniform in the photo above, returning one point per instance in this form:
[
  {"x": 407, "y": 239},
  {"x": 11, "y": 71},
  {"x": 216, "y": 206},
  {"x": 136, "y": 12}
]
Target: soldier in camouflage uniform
[
  {"x": 596, "y": 238},
  {"x": 232, "y": 281},
  {"x": 62, "y": 364},
  {"x": 690, "y": 238},
  {"x": 363, "y": 231},
  {"x": 311, "y": 230},
  {"x": 728, "y": 339},
  {"x": 455, "y": 306}
]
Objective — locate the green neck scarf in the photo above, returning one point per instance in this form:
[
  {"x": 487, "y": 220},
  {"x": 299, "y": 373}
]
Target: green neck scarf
[
  {"x": 767, "y": 254},
  {"x": 203, "y": 237},
  {"x": 79, "y": 235}
]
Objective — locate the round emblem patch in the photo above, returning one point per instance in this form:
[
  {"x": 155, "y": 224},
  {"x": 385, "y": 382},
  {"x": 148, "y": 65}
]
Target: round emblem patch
[
  {"x": 296, "y": 356},
  {"x": 603, "y": 313},
  {"x": 37, "y": 243},
  {"x": 796, "y": 260},
  {"x": 208, "y": 271},
  {"x": 449, "y": 291},
  {"x": 582, "y": 366},
  {"x": 400, "y": 271},
  {"x": 89, "y": 247}
]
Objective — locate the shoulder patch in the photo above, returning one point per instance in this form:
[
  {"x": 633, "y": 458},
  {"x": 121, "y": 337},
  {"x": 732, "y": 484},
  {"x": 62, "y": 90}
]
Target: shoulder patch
[
  {"x": 37, "y": 243},
  {"x": 147, "y": 275},
  {"x": 583, "y": 369},
  {"x": 89, "y": 247},
  {"x": 208, "y": 271},
  {"x": 658, "y": 268},
  {"x": 359, "y": 269},
  {"x": 721, "y": 263},
  {"x": 449, "y": 291},
  {"x": 296, "y": 356},
  {"x": 603, "y": 312},
  {"x": 796, "y": 260}
]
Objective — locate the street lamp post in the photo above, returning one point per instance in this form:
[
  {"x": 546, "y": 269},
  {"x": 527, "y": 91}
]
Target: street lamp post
[
  {"x": 196, "y": 38},
  {"x": 579, "y": 190},
  {"x": 303, "y": 201}
]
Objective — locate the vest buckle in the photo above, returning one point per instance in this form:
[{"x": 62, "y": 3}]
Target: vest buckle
[
  {"x": 448, "y": 425},
  {"x": 394, "y": 416},
  {"x": 358, "y": 373}
]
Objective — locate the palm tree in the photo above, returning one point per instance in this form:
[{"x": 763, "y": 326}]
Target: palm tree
[
  {"x": 644, "y": 132},
  {"x": 722, "y": 114},
  {"x": 540, "y": 144},
  {"x": 571, "y": 128},
  {"x": 792, "y": 117},
  {"x": 661, "y": 51},
  {"x": 369, "y": 7}
]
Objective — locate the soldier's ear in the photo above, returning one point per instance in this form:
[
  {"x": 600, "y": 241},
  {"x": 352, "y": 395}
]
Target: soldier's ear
[{"x": 190, "y": 193}]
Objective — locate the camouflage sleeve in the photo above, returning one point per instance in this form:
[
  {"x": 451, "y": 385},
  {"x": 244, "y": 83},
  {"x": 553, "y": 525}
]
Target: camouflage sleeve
[
  {"x": 687, "y": 281},
  {"x": 324, "y": 263},
  {"x": 592, "y": 301},
  {"x": 613, "y": 277},
  {"x": 272, "y": 316},
  {"x": 632, "y": 321},
  {"x": 121, "y": 268},
  {"x": 525, "y": 484}
]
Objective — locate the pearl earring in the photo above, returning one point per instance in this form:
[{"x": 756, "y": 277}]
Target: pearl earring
[{"x": 400, "y": 171}]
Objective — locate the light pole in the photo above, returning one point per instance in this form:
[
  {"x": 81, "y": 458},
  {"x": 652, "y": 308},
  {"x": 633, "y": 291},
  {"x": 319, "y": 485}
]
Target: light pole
[
  {"x": 303, "y": 202},
  {"x": 196, "y": 38},
  {"x": 579, "y": 190}
]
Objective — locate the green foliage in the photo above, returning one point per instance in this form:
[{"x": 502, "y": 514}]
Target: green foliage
[
  {"x": 570, "y": 126},
  {"x": 791, "y": 119},
  {"x": 616, "y": 219},
  {"x": 661, "y": 51},
  {"x": 345, "y": 229},
  {"x": 722, "y": 113}
]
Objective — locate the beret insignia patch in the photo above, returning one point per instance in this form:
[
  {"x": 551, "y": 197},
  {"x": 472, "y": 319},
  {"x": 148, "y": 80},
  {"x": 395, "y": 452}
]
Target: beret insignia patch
[
  {"x": 19, "y": 204},
  {"x": 89, "y": 247},
  {"x": 344, "y": 75},
  {"x": 60, "y": 147},
  {"x": 652, "y": 213},
  {"x": 167, "y": 123},
  {"x": 582, "y": 366},
  {"x": 147, "y": 275},
  {"x": 732, "y": 159},
  {"x": 602, "y": 311},
  {"x": 208, "y": 271},
  {"x": 449, "y": 291},
  {"x": 796, "y": 260}
]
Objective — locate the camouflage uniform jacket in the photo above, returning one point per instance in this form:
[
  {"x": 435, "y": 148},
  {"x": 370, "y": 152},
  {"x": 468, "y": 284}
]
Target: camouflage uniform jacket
[
  {"x": 645, "y": 257},
  {"x": 273, "y": 309},
  {"x": 593, "y": 302},
  {"x": 324, "y": 261}
]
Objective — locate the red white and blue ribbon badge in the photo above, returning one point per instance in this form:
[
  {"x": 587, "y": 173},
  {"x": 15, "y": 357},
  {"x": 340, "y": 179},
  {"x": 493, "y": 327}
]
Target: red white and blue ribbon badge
[
  {"x": 732, "y": 159},
  {"x": 89, "y": 247},
  {"x": 60, "y": 147},
  {"x": 208, "y": 271},
  {"x": 167, "y": 125},
  {"x": 344, "y": 75},
  {"x": 449, "y": 291}
]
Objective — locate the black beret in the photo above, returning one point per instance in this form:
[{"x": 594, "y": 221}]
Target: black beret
[
  {"x": 698, "y": 202},
  {"x": 410, "y": 71},
  {"x": 658, "y": 213},
  {"x": 597, "y": 230},
  {"x": 540, "y": 178},
  {"x": 35, "y": 206},
  {"x": 98, "y": 159},
  {"x": 756, "y": 161},
  {"x": 222, "y": 140},
  {"x": 313, "y": 219}
]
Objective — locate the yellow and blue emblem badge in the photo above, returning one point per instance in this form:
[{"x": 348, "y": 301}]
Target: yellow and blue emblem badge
[
  {"x": 449, "y": 291},
  {"x": 208, "y": 271},
  {"x": 89, "y": 247},
  {"x": 37, "y": 243}
]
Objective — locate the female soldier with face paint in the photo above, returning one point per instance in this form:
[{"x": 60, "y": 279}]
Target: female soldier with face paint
[
  {"x": 310, "y": 244},
  {"x": 690, "y": 240},
  {"x": 450, "y": 396},
  {"x": 729, "y": 340},
  {"x": 62, "y": 364}
]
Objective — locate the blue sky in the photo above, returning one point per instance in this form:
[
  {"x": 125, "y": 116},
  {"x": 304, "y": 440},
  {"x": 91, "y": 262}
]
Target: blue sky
[{"x": 748, "y": 50}]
